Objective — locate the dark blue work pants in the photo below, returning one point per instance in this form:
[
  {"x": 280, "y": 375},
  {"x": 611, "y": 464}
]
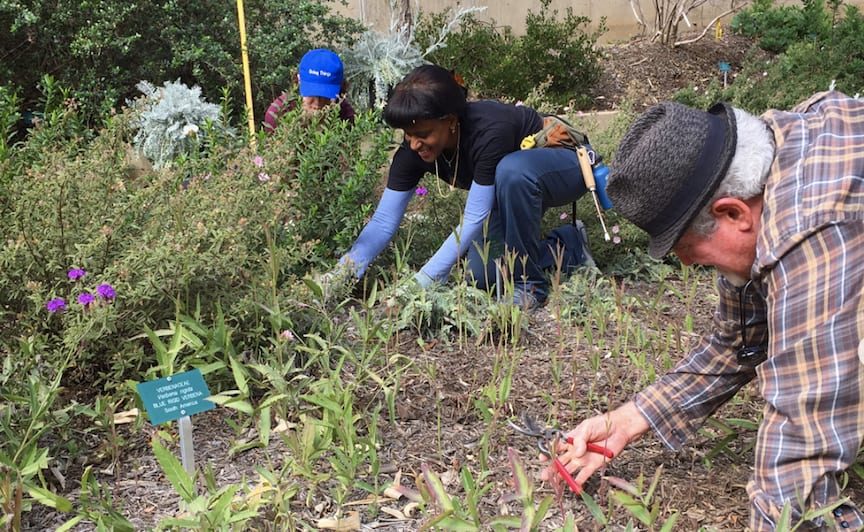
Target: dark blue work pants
[{"x": 527, "y": 182}]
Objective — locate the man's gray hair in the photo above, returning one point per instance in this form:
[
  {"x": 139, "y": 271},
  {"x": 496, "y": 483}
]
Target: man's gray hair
[{"x": 748, "y": 170}]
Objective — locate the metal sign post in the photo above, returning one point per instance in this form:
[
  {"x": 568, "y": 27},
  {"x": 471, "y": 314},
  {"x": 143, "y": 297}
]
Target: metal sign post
[{"x": 177, "y": 397}]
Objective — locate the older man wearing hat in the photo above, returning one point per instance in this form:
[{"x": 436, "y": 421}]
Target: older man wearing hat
[
  {"x": 321, "y": 82},
  {"x": 776, "y": 204}
]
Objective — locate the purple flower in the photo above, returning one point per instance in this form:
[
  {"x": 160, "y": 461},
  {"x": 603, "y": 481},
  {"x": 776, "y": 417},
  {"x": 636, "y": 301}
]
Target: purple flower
[
  {"x": 56, "y": 304},
  {"x": 421, "y": 191},
  {"x": 616, "y": 229},
  {"x": 287, "y": 335},
  {"x": 563, "y": 216},
  {"x": 86, "y": 298},
  {"x": 106, "y": 291},
  {"x": 616, "y": 240},
  {"x": 258, "y": 161},
  {"x": 263, "y": 177},
  {"x": 76, "y": 273}
]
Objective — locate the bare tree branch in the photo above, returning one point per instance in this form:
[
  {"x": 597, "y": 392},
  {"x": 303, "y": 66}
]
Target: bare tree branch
[
  {"x": 637, "y": 12},
  {"x": 668, "y": 15},
  {"x": 707, "y": 27}
]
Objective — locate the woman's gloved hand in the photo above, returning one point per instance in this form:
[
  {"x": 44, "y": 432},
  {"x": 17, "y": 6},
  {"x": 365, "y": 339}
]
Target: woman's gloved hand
[
  {"x": 337, "y": 283},
  {"x": 423, "y": 279}
]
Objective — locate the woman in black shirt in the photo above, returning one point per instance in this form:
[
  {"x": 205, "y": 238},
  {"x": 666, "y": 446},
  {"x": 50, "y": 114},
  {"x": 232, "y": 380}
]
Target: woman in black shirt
[{"x": 473, "y": 146}]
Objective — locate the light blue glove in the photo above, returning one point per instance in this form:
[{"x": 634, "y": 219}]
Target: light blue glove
[
  {"x": 336, "y": 283},
  {"x": 423, "y": 279}
]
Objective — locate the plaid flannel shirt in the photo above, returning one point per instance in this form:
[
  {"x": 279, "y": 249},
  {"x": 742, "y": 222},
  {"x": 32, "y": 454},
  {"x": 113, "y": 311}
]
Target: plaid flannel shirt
[{"x": 807, "y": 304}]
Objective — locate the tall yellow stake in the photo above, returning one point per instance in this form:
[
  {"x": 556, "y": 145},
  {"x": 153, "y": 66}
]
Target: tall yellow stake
[{"x": 247, "y": 79}]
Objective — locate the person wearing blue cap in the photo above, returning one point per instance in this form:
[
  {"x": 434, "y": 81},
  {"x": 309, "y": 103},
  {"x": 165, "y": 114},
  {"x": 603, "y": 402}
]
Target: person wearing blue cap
[{"x": 321, "y": 82}]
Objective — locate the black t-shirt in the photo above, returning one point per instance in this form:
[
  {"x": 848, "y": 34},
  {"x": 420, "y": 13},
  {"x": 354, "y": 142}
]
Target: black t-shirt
[{"x": 489, "y": 130}]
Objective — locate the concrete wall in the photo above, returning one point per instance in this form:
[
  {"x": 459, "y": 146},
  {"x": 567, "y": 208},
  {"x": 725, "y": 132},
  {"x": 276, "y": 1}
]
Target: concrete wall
[{"x": 619, "y": 14}]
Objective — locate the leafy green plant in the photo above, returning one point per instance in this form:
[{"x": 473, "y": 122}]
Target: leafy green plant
[
  {"x": 556, "y": 46},
  {"x": 97, "y": 506},
  {"x": 532, "y": 515},
  {"x": 639, "y": 501},
  {"x": 174, "y": 121},
  {"x": 328, "y": 171},
  {"x": 9, "y": 115},
  {"x": 215, "y": 509},
  {"x": 724, "y": 432},
  {"x": 444, "y": 511},
  {"x": 778, "y": 27},
  {"x": 30, "y": 410},
  {"x": 102, "y": 49}
]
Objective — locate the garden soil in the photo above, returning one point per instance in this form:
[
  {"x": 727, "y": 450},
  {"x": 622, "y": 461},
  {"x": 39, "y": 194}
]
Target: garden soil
[{"x": 560, "y": 378}]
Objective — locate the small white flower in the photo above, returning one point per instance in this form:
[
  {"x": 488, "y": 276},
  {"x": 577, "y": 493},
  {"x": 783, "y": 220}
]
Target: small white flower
[{"x": 190, "y": 130}]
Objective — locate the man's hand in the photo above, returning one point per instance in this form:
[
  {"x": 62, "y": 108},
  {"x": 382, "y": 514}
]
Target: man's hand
[{"x": 613, "y": 430}]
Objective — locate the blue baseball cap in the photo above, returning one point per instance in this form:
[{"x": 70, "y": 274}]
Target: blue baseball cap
[{"x": 321, "y": 74}]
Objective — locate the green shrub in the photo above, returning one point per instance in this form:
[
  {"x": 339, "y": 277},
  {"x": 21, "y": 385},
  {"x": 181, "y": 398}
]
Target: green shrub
[
  {"x": 777, "y": 28},
  {"x": 330, "y": 176},
  {"x": 210, "y": 231},
  {"x": 9, "y": 116},
  {"x": 474, "y": 39},
  {"x": 805, "y": 68},
  {"x": 561, "y": 48},
  {"x": 101, "y": 49},
  {"x": 833, "y": 55}
]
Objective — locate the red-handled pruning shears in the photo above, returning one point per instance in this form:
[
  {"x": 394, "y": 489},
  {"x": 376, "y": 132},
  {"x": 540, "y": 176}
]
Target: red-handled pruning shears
[{"x": 547, "y": 436}]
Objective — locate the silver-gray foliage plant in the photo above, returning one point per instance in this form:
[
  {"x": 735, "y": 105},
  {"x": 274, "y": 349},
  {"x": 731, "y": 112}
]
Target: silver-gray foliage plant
[
  {"x": 382, "y": 59},
  {"x": 175, "y": 120}
]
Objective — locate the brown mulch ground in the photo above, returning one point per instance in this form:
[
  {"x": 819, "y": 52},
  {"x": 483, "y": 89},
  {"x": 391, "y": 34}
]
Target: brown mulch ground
[
  {"x": 648, "y": 73},
  {"x": 437, "y": 423}
]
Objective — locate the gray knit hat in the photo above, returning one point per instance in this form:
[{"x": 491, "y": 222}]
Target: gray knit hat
[{"x": 668, "y": 166}]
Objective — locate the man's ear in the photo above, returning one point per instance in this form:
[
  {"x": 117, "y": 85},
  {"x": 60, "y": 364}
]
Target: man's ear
[{"x": 735, "y": 211}]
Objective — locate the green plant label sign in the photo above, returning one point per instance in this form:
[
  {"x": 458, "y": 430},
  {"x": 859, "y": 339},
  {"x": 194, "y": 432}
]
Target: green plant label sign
[{"x": 176, "y": 396}]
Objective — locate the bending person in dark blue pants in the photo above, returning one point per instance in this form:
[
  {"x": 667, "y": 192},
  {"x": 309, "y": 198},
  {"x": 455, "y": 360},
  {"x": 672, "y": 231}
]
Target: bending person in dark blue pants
[
  {"x": 527, "y": 182},
  {"x": 473, "y": 146}
]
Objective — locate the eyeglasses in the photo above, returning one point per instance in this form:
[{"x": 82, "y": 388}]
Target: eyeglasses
[{"x": 748, "y": 355}]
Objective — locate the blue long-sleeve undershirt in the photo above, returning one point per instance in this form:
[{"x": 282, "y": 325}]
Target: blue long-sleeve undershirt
[
  {"x": 379, "y": 231},
  {"x": 387, "y": 217},
  {"x": 479, "y": 204}
]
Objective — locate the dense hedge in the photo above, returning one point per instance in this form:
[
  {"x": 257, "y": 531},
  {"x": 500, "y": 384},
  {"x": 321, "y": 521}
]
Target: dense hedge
[
  {"x": 101, "y": 49},
  {"x": 228, "y": 230}
]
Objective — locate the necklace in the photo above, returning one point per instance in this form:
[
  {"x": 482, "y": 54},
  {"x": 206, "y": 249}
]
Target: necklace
[{"x": 455, "y": 169}]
